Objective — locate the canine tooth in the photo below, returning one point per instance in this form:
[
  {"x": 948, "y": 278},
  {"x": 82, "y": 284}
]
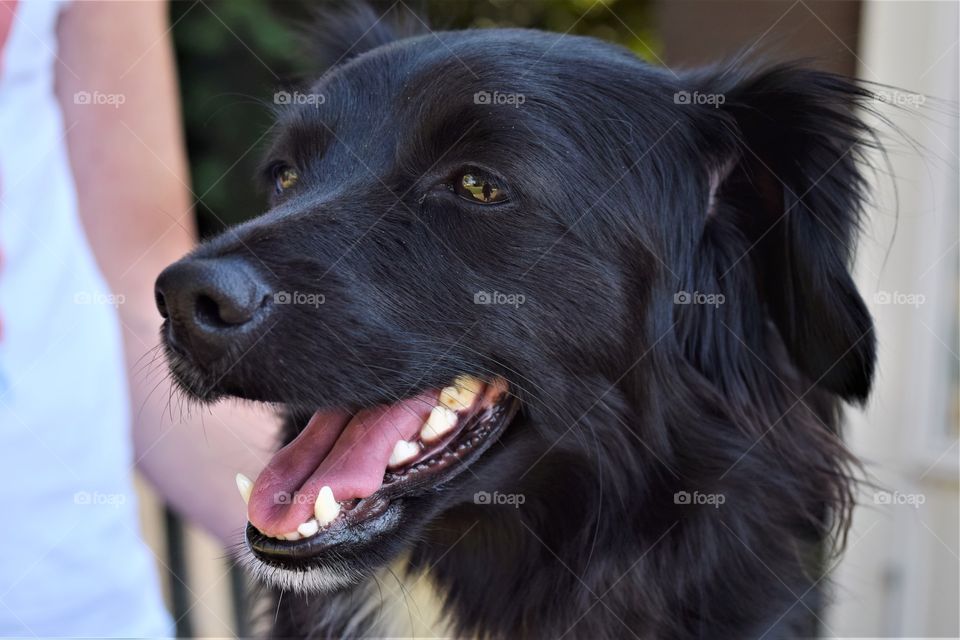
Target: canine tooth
[
  {"x": 403, "y": 452},
  {"x": 245, "y": 485},
  {"x": 442, "y": 420},
  {"x": 325, "y": 508},
  {"x": 308, "y": 528},
  {"x": 293, "y": 535}
]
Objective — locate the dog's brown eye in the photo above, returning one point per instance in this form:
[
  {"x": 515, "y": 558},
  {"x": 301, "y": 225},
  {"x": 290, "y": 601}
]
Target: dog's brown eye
[
  {"x": 476, "y": 187},
  {"x": 286, "y": 177}
]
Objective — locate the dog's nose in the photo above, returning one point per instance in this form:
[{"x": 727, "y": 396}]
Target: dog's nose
[{"x": 210, "y": 303}]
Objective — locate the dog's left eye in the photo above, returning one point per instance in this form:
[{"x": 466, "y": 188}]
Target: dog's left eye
[
  {"x": 285, "y": 177},
  {"x": 475, "y": 186}
]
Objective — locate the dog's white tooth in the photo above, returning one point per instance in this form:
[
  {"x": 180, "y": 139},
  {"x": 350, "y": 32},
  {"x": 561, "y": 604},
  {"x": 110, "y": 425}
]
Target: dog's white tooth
[
  {"x": 462, "y": 394},
  {"x": 468, "y": 385},
  {"x": 245, "y": 485},
  {"x": 293, "y": 535},
  {"x": 326, "y": 507},
  {"x": 403, "y": 452},
  {"x": 441, "y": 422},
  {"x": 450, "y": 398},
  {"x": 308, "y": 528}
]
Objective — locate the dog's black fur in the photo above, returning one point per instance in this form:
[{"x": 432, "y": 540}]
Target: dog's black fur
[{"x": 620, "y": 197}]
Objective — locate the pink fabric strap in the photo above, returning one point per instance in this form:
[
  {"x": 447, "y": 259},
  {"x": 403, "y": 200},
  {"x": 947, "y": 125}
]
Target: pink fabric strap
[{"x": 8, "y": 9}]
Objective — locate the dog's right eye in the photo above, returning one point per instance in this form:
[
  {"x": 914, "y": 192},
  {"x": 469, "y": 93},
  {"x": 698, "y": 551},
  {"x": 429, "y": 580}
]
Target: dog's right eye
[
  {"x": 476, "y": 186},
  {"x": 284, "y": 177}
]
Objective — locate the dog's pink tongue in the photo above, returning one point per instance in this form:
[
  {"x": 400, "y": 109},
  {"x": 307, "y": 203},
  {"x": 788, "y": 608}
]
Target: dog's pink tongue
[{"x": 349, "y": 455}]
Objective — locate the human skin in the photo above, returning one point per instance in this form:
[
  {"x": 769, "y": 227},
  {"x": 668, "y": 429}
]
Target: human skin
[{"x": 132, "y": 183}]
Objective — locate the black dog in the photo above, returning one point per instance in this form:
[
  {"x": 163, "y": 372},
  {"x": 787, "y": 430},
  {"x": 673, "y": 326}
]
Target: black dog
[{"x": 638, "y": 284}]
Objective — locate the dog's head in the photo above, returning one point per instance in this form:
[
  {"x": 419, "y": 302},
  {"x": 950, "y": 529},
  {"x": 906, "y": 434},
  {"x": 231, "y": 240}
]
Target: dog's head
[{"x": 544, "y": 267}]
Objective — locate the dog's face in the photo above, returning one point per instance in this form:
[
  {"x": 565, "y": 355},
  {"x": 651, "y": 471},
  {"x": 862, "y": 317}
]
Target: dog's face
[
  {"x": 427, "y": 229},
  {"x": 467, "y": 282}
]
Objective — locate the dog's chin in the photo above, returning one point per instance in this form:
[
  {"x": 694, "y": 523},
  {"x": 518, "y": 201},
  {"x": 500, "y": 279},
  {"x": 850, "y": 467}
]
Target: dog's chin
[
  {"x": 330, "y": 509},
  {"x": 329, "y": 577}
]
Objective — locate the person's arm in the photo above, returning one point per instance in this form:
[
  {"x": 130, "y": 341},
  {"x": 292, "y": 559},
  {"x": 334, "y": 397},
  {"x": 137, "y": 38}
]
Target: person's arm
[{"x": 130, "y": 170}]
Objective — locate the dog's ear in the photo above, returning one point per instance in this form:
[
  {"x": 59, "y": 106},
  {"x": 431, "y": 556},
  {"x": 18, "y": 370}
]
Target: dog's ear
[
  {"x": 344, "y": 32},
  {"x": 787, "y": 147}
]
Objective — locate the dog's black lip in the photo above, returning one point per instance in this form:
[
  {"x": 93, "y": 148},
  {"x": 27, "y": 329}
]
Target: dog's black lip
[{"x": 379, "y": 512}]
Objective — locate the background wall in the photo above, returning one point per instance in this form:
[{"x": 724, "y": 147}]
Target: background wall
[{"x": 900, "y": 575}]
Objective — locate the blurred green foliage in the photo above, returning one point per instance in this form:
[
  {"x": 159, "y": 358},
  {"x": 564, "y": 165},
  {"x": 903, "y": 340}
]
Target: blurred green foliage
[{"x": 233, "y": 54}]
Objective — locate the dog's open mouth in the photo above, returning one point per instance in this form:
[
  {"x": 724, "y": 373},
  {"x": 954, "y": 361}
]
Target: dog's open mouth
[{"x": 343, "y": 471}]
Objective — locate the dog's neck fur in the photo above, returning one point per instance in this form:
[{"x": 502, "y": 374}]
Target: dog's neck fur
[
  {"x": 396, "y": 603},
  {"x": 406, "y": 605}
]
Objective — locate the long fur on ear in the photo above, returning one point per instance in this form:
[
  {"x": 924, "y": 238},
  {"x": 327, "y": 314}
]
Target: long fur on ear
[
  {"x": 344, "y": 32},
  {"x": 794, "y": 196}
]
